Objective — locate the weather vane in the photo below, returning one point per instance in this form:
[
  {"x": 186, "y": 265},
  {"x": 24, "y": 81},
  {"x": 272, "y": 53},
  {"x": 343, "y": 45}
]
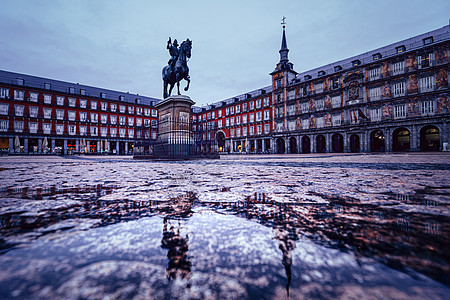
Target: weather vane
[{"x": 283, "y": 21}]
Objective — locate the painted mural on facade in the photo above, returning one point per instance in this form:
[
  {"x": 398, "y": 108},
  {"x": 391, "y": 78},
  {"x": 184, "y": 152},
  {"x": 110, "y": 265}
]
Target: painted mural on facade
[
  {"x": 326, "y": 85},
  {"x": 312, "y": 105},
  {"x": 413, "y": 107},
  {"x": 443, "y": 103},
  {"x": 412, "y": 87},
  {"x": 327, "y": 102},
  {"x": 312, "y": 122},
  {"x": 311, "y": 88},
  {"x": 298, "y": 124},
  {"x": 442, "y": 79},
  {"x": 410, "y": 63},
  {"x": 441, "y": 55},
  {"x": 386, "y": 90},
  {"x": 385, "y": 69},
  {"x": 328, "y": 119},
  {"x": 387, "y": 111}
]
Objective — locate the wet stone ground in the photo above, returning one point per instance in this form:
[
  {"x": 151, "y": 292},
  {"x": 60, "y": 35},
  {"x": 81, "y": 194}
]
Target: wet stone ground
[{"x": 242, "y": 227}]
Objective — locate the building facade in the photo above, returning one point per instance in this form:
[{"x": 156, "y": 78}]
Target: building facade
[
  {"x": 395, "y": 98},
  {"x": 39, "y": 115}
]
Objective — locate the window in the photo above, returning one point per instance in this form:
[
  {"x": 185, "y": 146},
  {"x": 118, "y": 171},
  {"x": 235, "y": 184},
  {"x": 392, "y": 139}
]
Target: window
[
  {"x": 219, "y": 123},
  {"x": 231, "y": 132},
  {"x": 244, "y": 107},
  {"x": 33, "y": 127},
  {"x": 336, "y": 120},
  {"x": 72, "y": 90},
  {"x": 266, "y": 101},
  {"x": 131, "y": 110},
  {"x": 82, "y": 92},
  {"x": 18, "y": 126},
  {"x": 227, "y": 111},
  {"x": 18, "y": 94},
  {"x": 147, "y": 112},
  {"x": 232, "y": 110},
  {"x": 60, "y": 114},
  {"x": 113, "y": 132},
  {"x": 251, "y": 105},
  {"x": 4, "y": 125},
  {"x": 122, "y": 108},
  {"x": 304, "y": 107},
  {"x": 34, "y": 110},
  {"x": 266, "y": 114},
  {"x": 424, "y": 61},
  {"x": 356, "y": 63},
  {"x": 93, "y": 104},
  {"x": 83, "y": 116},
  {"x": 336, "y": 101},
  {"x": 428, "y": 40},
  {"x": 113, "y": 119},
  {"x": 399, "y": 111},
  {"x": 104, "y": 106},
  {"x": 130, "y": 121},
  {"x": 18, "y": 110},
  {"x": 251, "y": 130},
  {"x": 320, "y": 104},
  {"x": 104, "y": 119},
  {"x": 138, "y": 122},
  {"x": 238, "y": 132},
  {"x": 83, "y": 103},
  {"x": 139, "y": 110},
  {"x": 219, "y": 113},
  {"x": 60, "y": 100},
  {"x": 251, "y": 118},
  {"x": 319, "y": 87},
  {"x": 20, "y": 81},
  {"x": 146, "y": 122},
  {"x": 244, "y": 131},
  {"x": 426, "y": 84},
  {"x": 259, "y": 129},
  {"x": 94, "y": 131},
  {"x": 428, "y": 107},
  {"x": 94, "y": 118},
  {"x": 259, "y": 116},
  {"x": 266, "y": 128},
  {"x": 72, "y": 115},
  {"x": 4, "y": 109},
  {"x": 103, "y": 131},
  {"x": 232, "y": 121},
  {"x": 131, "y": 133},
  {"x": 121, "y": 120},
  {"x": 72, "y": 102},
  {"x": 83, "y": 130},
  {"x": 336, "y": 69},
  {"x": 113, "y": 107},
  {"x": 209, "y": 116},
  {"x": 305, "y": 123},
  {"x": 400, "y": 49},
  {"x": 4, "y": 93},
  {"x": 291, "y": 125},
  {"x": 258, "y": 103},
  {"x": 47, "y": 86},
  {"x": 238, "y": 109},
  {"x": 59, "y": 128},
  {"x": 375, "y": 94},
  {"x": 399, "y": 89},
  {"x": 375, "y": 114},
  {"x": 47, "y": 128},
  {"x": 47, "y": 113},
  {"x": 72, "y": 129},
  {"x": 227, "y": 122},
  {"x": 103, "y": 95},
  {"x": 398, "y": 68},
  {"x": 374, "y": 74},
  {"x": 320, "y": 122},
  {"x": 33, "y": 97},
  {"x": 280, "y": 127},
  {"x": 376, "y": 56},
  {"x": 335, "y": 83},
  {"x": 244, "y": 119}
]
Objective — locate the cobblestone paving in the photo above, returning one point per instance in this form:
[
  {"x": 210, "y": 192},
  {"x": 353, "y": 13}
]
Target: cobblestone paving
[{"x": 298, "y": 226}]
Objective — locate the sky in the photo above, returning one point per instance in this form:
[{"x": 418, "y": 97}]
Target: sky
[{"x": 121, "y": 45}]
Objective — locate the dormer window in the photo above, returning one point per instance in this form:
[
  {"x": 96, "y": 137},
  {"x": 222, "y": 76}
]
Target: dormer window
[
  {"x": 321, "y": 73},
  {"x": 20, "y": 81},
  {"x": 400, "y": 49},
  {"x": 428, "y": 40},
  {"x": 308, "y": 77},
  {"x": 356, "y": 62},
  {"x": 47, "y": 86},
  {"x": 376, "y": 56},
  {"x": 103, "y": 95},
  {"x": 337, "y": 68},
  {"x": 71, "y": 90}
]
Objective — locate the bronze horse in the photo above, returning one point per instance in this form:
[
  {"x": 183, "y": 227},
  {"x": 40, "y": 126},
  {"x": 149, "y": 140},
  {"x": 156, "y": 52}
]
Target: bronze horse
[{"x": 180, "y": 70}]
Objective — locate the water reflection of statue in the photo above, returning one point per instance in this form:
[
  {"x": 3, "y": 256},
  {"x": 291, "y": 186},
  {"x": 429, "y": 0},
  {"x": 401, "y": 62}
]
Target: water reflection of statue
[{"x": 177, "y": 251}]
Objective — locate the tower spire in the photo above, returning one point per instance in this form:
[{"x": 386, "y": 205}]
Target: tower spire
[{"x": 284, "y": 49}]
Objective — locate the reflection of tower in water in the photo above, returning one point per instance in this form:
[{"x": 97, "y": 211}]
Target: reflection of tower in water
[{"x": 177, "y": 246}]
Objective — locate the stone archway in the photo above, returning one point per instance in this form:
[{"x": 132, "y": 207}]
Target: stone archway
[
  {"x": 220, "y": 138},
  {"x": 293, "y": 145},
  {"x": 321, "y": 144},
  {"x": 306, "y": 144},
  {"x": 401, "y": 139},
  {"x": 377, "y": 141},
  {"x": 354, "y": 143},
  {"x": 430, "y": 139},
  {"x": 280, "y": 146},
  {"x": 337, "y": 143}
]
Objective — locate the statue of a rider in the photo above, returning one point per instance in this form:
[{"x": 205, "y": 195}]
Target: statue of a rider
[{"x": 173, "y": 51}]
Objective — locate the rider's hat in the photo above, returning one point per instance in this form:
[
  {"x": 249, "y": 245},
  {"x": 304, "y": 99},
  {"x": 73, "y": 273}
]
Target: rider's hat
[{"x": 175, "y": 43}]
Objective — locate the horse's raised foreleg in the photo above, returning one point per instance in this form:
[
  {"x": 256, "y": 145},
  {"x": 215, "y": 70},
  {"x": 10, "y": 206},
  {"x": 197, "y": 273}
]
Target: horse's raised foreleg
[{"x": 189, "y": 81}]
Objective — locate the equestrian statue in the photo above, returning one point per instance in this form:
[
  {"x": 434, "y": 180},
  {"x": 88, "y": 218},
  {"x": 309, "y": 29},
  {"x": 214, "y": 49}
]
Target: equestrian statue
[{"x": 177, "y": 68}]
